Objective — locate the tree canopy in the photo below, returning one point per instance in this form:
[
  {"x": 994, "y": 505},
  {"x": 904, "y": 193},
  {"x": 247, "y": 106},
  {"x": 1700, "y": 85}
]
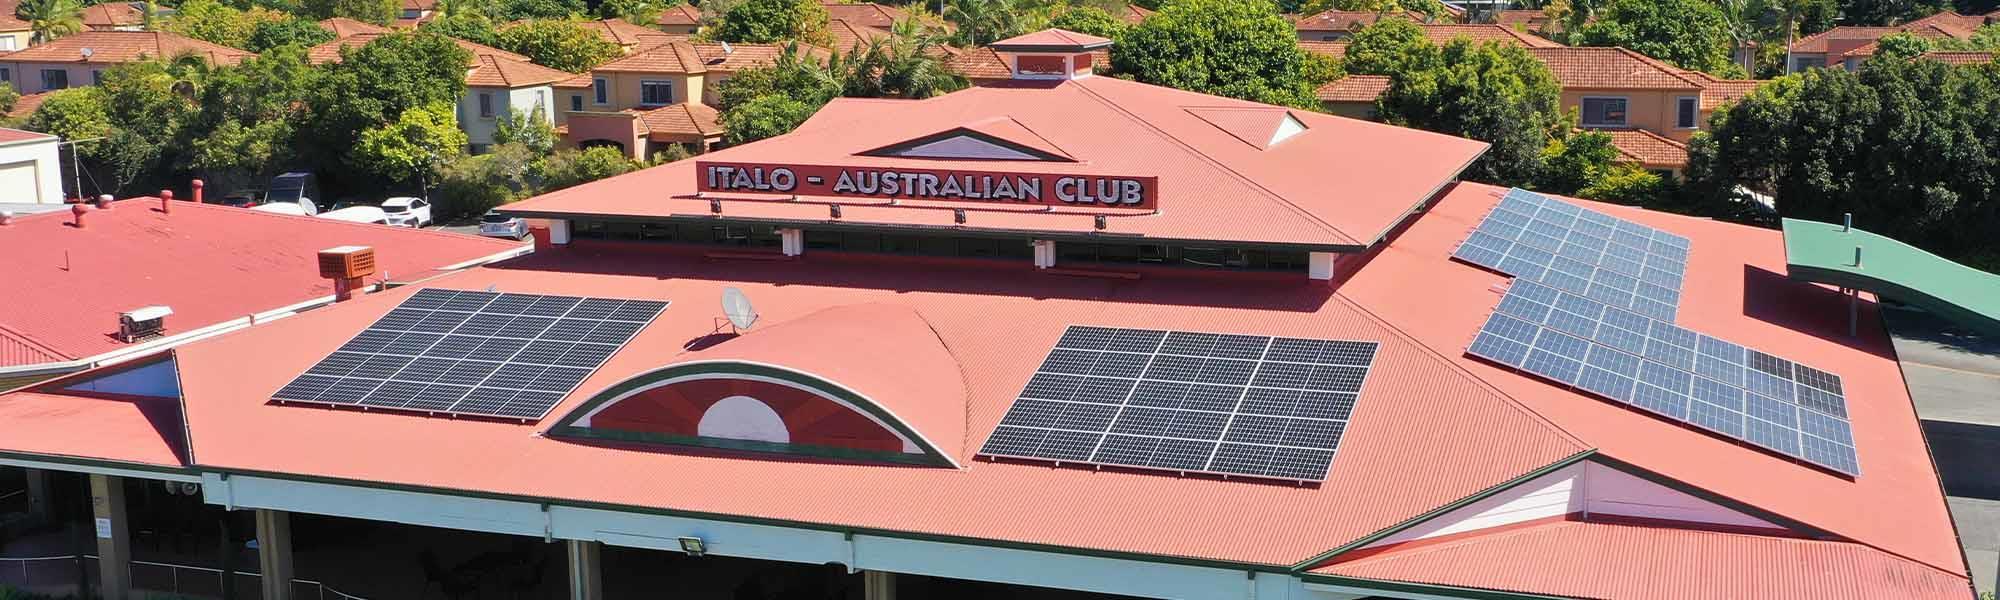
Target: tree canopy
[
  {"x": 1691, "y": 34},
  {"x": 288, "y": 31},
  {"x": 1090, "y": 20},
  {"x": 1384, "y": 47},
  {"x": 379, "y": 12},
  {"x": 1907, "y": 146},
  {"x": 1498, "y": 94},
  {"x": 1236, "y": 48},
  {"x": 558, "y": 44},
  {"x": 768, "y": 21}
]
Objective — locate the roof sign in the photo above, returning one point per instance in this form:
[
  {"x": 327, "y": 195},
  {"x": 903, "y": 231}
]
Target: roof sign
[{"x": 929, "y": 184}]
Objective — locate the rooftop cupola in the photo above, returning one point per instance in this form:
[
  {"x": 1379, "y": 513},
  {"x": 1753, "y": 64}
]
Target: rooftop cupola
[{"x": 1049, "y": 54}]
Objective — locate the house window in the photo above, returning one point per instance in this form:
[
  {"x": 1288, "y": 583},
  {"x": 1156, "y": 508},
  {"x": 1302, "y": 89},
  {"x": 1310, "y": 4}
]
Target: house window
[
  {"x": 603, "y": 89},
  {"x": 1604, "y": 112},
  {"x": 6, "y": 74},
  {"x": 576, "y": 102},
  {"x": 7, "y": 43},
  {"x": 485, "y": 105},
  {"x": 96, "y": 77},
  {"x": 1807, "y": 62},
  {"x": 1687, "y": 112},
  {"x": 656, "y": 93},
  {"x": 55, "y": 79}
]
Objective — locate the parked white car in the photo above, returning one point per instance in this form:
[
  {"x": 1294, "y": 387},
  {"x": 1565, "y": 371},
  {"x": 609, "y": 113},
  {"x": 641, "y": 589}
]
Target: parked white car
[
  {"x": 407, "y": 211},
  {"x": 493, "y": 224},
  {"x": 285, "y": 208},
  {"x": 357, "y": 214}
]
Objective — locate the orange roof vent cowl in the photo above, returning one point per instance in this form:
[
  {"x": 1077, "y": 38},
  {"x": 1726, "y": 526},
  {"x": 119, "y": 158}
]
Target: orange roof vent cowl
[{"x": 346, "y": 266}]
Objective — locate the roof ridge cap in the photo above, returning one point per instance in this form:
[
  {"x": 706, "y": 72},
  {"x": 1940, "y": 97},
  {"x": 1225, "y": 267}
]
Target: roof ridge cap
[{"x": 1189, "y": 148}]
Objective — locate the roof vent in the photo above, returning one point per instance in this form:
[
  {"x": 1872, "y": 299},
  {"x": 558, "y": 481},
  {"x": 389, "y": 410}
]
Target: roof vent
[
  {"x": 142, "y": 323},
  {"x": 346, "y": 266}
]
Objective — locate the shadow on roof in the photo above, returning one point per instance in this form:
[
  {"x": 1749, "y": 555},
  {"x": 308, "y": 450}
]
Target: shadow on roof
[
  {"x": 1292, "y": 292},
  {"x": 1812, "y": 309}
]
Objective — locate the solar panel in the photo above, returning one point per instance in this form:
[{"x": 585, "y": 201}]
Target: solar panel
[
  {"x": 1708, "y": 382},
  {"x": 1237, "y": 405},
  {"x": 473, "y": 353},
  {"x": 1611, "y": 260}
]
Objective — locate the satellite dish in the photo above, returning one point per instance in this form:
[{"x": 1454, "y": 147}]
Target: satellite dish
[{"x": 737, "y": 307}]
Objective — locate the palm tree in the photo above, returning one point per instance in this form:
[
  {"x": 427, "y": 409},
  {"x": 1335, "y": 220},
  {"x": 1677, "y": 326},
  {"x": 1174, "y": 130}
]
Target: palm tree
[
  {"x": 907, "y": 63},
  {"x": 981, "y": 22},
  {"x": 51, "y": 19}
]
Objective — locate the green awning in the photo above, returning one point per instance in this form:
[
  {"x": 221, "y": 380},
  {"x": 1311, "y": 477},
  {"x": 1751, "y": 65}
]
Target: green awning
[{"x": 1825, "y": 253}]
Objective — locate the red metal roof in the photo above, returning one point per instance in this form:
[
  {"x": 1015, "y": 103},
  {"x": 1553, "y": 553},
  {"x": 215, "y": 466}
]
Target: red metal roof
[
  {"x": 210, "y": 263},
  {"x": 1736, "y": 289},
  {"x": 1342, "y": 182},
  {"x": 1603, "y": 560},
  {"x": 17, "y": 135},
  {"x": 1053, "y": 38},
  {"x": 142, "y": 431}
]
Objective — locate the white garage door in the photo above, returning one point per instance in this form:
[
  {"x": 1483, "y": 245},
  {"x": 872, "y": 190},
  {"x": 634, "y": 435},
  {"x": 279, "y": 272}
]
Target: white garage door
[{"x": 18, "y": 183}]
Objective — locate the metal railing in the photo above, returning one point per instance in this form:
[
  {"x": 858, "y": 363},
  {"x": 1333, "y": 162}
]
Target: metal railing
[{"x": 60, "y": 573}]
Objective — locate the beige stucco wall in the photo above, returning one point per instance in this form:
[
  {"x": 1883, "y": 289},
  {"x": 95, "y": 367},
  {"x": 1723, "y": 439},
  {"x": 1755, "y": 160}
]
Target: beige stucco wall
[
  {"x": 625, "y": 90},
  {"x": 1645, "y": 109},
  {"x": 27, "y": 77},
  {"x": 1356, "y": 110}
]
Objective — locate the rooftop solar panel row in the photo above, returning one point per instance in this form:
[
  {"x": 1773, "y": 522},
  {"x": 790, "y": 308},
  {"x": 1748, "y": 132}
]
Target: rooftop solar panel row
[
  {"x": 473, "y": 353},
  {"x": 1182, "y": 401},
  {"x": 1605, "y": 258},
  {"x": 1656, "y": 366}
]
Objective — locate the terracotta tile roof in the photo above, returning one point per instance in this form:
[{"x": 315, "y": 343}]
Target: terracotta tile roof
[
  {"x": 669, "y": 57},
  {"x": 1349, "y": 20},
  {"x": 492, "y": 70},
  {"x": 1529, "y": 19},
  {"x": 27, "y": 105},
  {"x": 1597, "y": 560},
  {"x": 1611, "y": 68},
  {"x": 113, "y": 14},
  {"x": 686, "y": 118},
  {"x": 1648, "y": 149},
  {"x": 617, "y": 31},
  {"x": 1441, "y": 33},
  {"x": 1717, "y": 91},
  {"x": 10, "y": 19},
  {"x": 1953, "y": 20},
  {"x": 1844, "y": 38},
  {"x": 1134, "y": 13},
  {"x": 579, "y": 81},
  {"x": 133, "y": 255},
  {"x": 1960, "y": 57},
  {"x": 743, "y": 56},
  {"x": 1354, "y": 88},
  {"x": 865, "y": 14},
  {"x": 329, "y": 52},
  {"x": 343, "y": 27},
  {"x": 1280, "y": 195},
  {"x": 680, "y": 15},
  {"x": 848, "y": 35},
  {"x": 979, "y": 64},
  {"x": 1333, "y": 49},
  {"x": 419, "y": 5},
  {"x": 114, "y": 47}
]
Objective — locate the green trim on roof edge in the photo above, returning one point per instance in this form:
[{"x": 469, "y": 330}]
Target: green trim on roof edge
[
  {"x": 1425, "y": 588},
  {"x": 1824, "y": 253}
]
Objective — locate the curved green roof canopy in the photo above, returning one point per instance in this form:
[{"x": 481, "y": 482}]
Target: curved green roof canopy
[{"x": 1825, "y": 253}]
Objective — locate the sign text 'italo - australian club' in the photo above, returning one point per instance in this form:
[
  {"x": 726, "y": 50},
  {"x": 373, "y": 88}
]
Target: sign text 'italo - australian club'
[{"x": 929, "y": 184}]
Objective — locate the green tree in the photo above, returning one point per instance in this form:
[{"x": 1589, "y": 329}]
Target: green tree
[
  {"x": 529, "y": 129},
  {"x": 1906, "y": 146},
  {"x": 1902, "y": 46},
  {"x": 982, "y": 22},
  {"x": 1090, "y": 20},
  {"x": 766, "y": 21},
  {"x": 373, "y": 85},
  {"x": 1575, "y": 162},
  {"x": 1384, "y": 47},
  {"x": 1889, "y": 12},
  {"x": 290, "y": 31},
  {"x": 571, "y": 168},
  {"x": 471, "y": 185},
  {"x": 1236, "y": 48},
  {"x": 1691, "y": 34},
  {"x": 51, "y": 19},
  {"x": 423, "y": 139},
  {"x": 1627, "y": 184},
  {"x": 558, "y": 44},
  {"x": 514, "y": 10},
  {"x": 73, "y": 114},
  {"x": 1497, "y": 94},
  {"x": 905, "y": 64},
  {"x": 763, "y": 117},
  {"x": 468, "y": 26},
  {"x": 791, "y": 74},
  {"x": 1429, "y": 8},
  {"x": 1985, "y": 39},
  {"x": 251, "y": 115},
  {"x": 643, "y": 13},
  {"x": 379, "y": 12},
  {"x": 212, "y": 21}
]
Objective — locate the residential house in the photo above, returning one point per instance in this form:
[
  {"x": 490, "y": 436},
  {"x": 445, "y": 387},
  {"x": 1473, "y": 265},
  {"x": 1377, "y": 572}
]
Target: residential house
[
  {"x": 15, "y": 32},
  {"x": 1134, "y": 13},
  {"x": 680, "y": 19},
  {"x": 1650, "y": 151},
  {"x": 618, "y": 103},
  {"x": 1354, "y": 95},
  {"x": 30, "y": 168},
  {"x": 345, "y": 27},
  {"x": 80, "y": 59},
  {"x": 1529, "y": 20},
  {"x": 981, "y": 66},
  {"x": 1957, "y": 57},
  {"x": 1335, "y": 25},
  {"x": 497, "y": 82},
  {"x": 116, "y": 16},
  {"x": 1617, "y": 89},
  {"x": 1846, "y": 46},
  {"x": 415, "y": 12},
  {"x": 1437, "y": 33},
  {"x": 628, "y": 36}
]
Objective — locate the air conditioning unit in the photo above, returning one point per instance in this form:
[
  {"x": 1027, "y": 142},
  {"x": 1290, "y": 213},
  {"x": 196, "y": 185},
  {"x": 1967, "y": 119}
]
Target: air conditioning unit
[{"x": 143, "y": 323}]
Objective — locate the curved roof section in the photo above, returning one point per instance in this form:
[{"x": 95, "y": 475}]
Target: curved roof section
[
  {"x": 1340, "y": 185},
  {"x": 1827, "y": 253},
  {"x": 852, "y": 347}
]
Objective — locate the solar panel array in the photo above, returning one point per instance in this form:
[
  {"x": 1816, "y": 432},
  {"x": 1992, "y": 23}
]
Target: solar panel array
[
  {"x": 1654, "y": 365},
  {"x": 1605, "y": 258},
  {"x": 474, "y": 353},
  {"x": 1238, "y": 405}
]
